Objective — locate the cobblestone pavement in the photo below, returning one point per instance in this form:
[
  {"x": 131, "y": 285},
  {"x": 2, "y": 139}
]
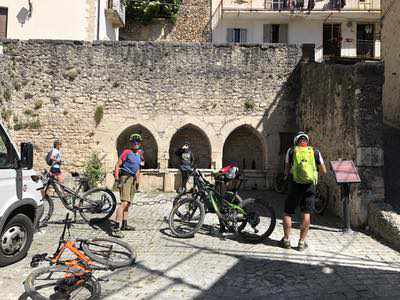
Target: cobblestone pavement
[{"x": 208, "y": 266}]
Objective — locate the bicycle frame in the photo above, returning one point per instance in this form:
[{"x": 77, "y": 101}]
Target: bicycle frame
[
  {"x": 60, "y": 189},
  {"x": 213, "y": 196}
]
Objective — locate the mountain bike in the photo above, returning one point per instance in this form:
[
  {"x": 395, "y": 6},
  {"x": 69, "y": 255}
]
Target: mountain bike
[
  {"x": 251, "y": 219},
  {"x": 198, "y": 183},
  {"x": 96, "y": 203},
  {"x": 70, "y": 271}
]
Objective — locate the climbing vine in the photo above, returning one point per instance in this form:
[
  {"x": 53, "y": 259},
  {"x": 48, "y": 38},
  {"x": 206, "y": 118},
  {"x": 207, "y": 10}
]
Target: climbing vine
[{"x": 144, "y": 11}]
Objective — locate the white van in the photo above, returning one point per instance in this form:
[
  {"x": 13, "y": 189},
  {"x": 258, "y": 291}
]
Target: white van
[{"x": 20, "y": 201}]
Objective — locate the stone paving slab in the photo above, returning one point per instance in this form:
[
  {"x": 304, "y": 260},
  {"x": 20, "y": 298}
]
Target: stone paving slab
[{"x": 336, "y": 266}]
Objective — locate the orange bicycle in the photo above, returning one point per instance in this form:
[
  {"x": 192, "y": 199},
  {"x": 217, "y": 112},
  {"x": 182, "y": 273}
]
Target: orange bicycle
[{"x": 70, "y": 274}]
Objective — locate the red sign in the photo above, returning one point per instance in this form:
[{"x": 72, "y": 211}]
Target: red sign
[{"x": 345, "y": 171}]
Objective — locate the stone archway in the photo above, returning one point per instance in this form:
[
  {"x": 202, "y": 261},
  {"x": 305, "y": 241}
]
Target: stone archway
[
  {"x": 149, "y": 144},
  {"x": 200, "y": 144},
  {"x": 245, "y": 146}
]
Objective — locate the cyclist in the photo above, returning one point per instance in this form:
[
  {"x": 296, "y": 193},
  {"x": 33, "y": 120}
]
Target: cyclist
[
  {"x": 138, "y": 138},
  {"x": 302, "y": 164},
  {"x": 54, "y": 160},
  {"x": 186, "y": 160},
  {"x": 125, "y": 174}
]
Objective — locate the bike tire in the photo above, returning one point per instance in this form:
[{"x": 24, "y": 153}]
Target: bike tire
[
  {"x": 105, "y": 213},
  {"x": 104, "y": 257},
  {"x": 255, "y": 209},
  {"x": 48, "y": 209},
  {"x": 37, "y": 292},
  {"x": 280, "y": 184},
  {"x": 321, "y": 198},
  {"x": 191, "y": 204}
]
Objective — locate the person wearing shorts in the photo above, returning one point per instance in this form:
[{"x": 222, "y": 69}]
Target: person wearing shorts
[
  {"x": 55, "y": 158},
  {"x": 301, "y": 191},
  {"x": 125, "y": 174}
]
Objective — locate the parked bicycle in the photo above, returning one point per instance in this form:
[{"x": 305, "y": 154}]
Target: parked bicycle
[
  {"x": 72, "y": 277},
  {"x": 251, "y": 219},
  {"x": 96, "y": 203},
  {"x": 281, "y": 185}
]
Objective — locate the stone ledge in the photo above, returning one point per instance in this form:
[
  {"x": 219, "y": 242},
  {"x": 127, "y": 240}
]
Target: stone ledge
[{"x": 384, "y": 222}]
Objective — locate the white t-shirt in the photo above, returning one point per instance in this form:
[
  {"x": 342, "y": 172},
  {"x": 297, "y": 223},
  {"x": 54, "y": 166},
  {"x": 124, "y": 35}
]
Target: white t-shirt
[{"x": 56, "y": 154}]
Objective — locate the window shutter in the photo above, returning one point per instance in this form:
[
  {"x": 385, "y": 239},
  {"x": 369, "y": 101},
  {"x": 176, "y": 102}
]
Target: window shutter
[
  {"x": 243, "y": 35},
  {"x": 283, "y": 33},
  {"x": 229, "y": 37},
  {"x": 267, "y": 33}
]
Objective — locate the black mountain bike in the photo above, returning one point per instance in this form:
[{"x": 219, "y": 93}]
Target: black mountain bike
[
  {"x": 281, "y": 185},
  {"x": 96, "y": 203},
  {"x": 70, "y": 276},
  {"x": 252, "y": 219}
]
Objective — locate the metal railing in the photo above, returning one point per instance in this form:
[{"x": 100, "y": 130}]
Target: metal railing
[
  {"x": 301, "y": 5},
  {"x": 365, "y": 48}
]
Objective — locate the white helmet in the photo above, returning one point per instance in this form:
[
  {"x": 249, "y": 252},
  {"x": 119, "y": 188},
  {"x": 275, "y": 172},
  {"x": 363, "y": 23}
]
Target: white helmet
[{"x": 299, "y": 135}]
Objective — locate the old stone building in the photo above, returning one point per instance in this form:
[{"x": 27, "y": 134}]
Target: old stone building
[
  {"x": 223, "y": 100},
  {"x": 390, "y": 51},
  {"x": 229, "y": 102}
]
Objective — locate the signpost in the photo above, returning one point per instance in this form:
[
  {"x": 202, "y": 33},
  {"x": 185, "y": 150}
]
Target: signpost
[{"x": 345, "y": 173}]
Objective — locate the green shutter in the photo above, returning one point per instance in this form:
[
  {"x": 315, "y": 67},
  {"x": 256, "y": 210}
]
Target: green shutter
[
  {"x": 283, "y": 33},
  {"x": 243, "y": 35},
  {"x": 267, "y": 33},
  {"x": 229, "y": 35}
]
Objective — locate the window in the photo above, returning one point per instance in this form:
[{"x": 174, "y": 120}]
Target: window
[
  {"x": 237, "y": 35},
  {"x": 5, "y": 152},
  {"x": 366, "y": 40},
  {"x": 332, "y": 40},
  {"x": 275, "y": 33},
  {"x": 3, "y": 22}
]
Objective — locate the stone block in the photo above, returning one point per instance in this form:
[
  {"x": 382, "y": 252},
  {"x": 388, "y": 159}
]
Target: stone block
[{"x": 369, "y": 157}]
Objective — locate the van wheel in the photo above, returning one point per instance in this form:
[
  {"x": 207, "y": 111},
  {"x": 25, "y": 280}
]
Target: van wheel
[{"x": 16, "y": 239}]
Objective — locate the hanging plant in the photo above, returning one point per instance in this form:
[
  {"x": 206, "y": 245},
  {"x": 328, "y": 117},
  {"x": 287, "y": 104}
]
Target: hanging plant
[{"x": 145, "y": 11}]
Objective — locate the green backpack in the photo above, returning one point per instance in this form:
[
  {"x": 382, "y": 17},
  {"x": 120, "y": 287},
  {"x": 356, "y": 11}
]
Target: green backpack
[{"x": 304, "y": 168}]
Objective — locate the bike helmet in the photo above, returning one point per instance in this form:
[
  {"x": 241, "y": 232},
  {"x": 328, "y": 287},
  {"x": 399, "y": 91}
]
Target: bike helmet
[
  {"x": 299, "y": 135},
  {"x": 135, "y": 137},
  {"x": 56, "y": 143}
]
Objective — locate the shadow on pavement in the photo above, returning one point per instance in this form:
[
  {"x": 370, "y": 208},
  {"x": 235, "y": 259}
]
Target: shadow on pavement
[{"x": 259, "y": 275}]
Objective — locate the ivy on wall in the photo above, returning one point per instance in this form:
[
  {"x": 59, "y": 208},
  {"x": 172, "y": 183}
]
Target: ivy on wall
[{"x": 145, "y": 11}]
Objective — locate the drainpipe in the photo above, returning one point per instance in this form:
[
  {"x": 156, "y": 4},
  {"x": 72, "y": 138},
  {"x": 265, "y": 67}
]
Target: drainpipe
[{"x": 98, "y": 19}]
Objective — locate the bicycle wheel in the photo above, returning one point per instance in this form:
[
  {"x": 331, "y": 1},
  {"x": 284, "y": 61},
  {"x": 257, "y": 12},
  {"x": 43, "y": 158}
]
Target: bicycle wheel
[
  {"x": 57, "y": 283},
  {"x": 48, "y": 209},
  {"x": 258, "y": 222},
  {"x": 110, "y": 252},
  {"x": 321, "y": 198},
  {"x": 98, "y": 203},
  {"x": 186, "y": 217}
]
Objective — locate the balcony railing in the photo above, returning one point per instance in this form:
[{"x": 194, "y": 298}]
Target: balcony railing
[
  {"x": 301, "y": 5},
  {"x": 115, "y": 13}
]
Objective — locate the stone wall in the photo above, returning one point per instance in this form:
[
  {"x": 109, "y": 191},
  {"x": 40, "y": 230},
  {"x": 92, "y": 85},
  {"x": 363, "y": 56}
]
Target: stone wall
[
  {"x": 192, "y": 25},
  {"x": 341, "y": 107},
  {"x": 161, "y": 87},
  {"x": 390, "y": 54}
]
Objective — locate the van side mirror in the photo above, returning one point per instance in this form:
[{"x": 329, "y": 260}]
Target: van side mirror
[{"x": 26, "y": 161}]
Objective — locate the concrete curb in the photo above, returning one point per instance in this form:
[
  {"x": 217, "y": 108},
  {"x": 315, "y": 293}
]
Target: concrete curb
[{"x": 385, "y": 222}]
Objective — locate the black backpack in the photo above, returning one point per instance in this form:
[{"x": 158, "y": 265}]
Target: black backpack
[{"x": 48, "y": 159}]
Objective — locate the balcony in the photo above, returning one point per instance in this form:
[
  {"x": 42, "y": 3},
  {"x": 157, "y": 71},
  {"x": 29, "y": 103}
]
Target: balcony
[
  {"x": 301, "y": 5},
  {"x": 115, "y": 13}
]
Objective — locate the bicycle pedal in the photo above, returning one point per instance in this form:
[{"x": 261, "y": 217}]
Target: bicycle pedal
[{"x": 37, "y": 258}]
